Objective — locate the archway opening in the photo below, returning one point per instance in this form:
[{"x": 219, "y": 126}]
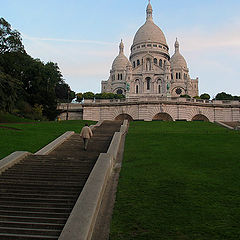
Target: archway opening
[
  {"x": 119, "y": 91},
  {"x": 200, "y": 117},
  {"x": 124, "y": 116},
  {"x": 162, "y": 117}
]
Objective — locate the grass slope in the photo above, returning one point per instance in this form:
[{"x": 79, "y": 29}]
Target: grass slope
[
  {"x": 9, "y": 118},
  {"x": 179, "y": 180},
  {"x": 33, "y": 136}
]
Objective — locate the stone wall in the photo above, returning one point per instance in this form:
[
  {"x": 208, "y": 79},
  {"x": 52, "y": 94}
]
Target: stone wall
[{"x": 146, "y": 108}]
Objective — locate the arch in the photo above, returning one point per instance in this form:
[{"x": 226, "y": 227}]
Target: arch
[
  {"x": 200, "y": 117},
  {"x": 124, "y": 116},
  {"x": 155, "y": 61},
  {"x": 137, "y": 89},
  {"x": 160, "y": 62},
  {"x": 162, "y": 117},
  {"x": 148, "y": 80},
  {"x": 119, "y": 91}
]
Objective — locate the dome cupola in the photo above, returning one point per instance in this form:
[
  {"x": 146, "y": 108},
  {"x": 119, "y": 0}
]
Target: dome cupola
[
  {"x": 177, "y": 60},
  {"x": 121, "y": 61}
]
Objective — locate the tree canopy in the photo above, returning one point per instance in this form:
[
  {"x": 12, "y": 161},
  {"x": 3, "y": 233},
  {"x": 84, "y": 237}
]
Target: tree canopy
[{"x": 28, "y": 85}]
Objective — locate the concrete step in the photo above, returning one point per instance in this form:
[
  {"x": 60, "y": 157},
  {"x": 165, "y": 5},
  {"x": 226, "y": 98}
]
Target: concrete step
[
  {"x": 7, "y": 236},
  {"x": 34, "y": 219},
  {"x": 38, "y": 196},
  {"x": 32, "y": 231},
  {"x": 29, "y": 225},
  {"x": 35, "y": 213},
  {"x": 37, "y": 207},
  {"x": 40, "y": 200}
]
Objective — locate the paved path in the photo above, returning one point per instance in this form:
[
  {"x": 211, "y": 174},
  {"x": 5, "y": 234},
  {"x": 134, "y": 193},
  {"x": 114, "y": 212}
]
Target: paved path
[{"x": 38, "y": 194}]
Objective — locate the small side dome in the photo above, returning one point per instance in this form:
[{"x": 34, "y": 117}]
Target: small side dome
[
  {"x": 121, "y": 61},
  {"x": 177, "y": 60}
]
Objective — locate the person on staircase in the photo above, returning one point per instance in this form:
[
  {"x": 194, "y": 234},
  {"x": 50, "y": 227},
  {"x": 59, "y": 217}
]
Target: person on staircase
[{"x": 86, "y": 134}]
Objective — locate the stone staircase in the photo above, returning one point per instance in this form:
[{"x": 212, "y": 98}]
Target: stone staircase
[{"x": 38, "y": 193}]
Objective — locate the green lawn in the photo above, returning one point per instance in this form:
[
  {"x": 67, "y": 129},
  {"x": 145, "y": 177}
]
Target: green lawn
[
  {"x": 10, "y": 118},
  {"x": 33, "y": 136},
  {"x": 179, "y": 181}
]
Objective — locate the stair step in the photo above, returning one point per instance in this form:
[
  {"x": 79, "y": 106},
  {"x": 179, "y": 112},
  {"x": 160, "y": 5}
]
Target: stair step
[
  {"x": 36, "y": 208},
  {"x": 34, "y": 213},
  {"x": 51, "y": 226},
  {"x": 32, "y": 231},
  {"x": 7, "y": 236},
  {"x": 34, "y": 219}
]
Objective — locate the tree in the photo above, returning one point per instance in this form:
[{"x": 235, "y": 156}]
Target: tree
[
  {"x": 10, "y": 40},
  {"x": 79, "y": 97},
  {"x": 205, "y": 96},
  {"x": 88, "y": 95},
  {"x": 8, "y": 92},
  {"x": 223, "y": 96}
]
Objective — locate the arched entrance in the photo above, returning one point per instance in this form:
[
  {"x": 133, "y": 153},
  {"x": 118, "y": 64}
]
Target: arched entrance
[
  {"x": 119, "y": 91},
  {"x": 124, "y": 116},
  {"x": 200, "y": 117},
  {"x": 162, "y": 117}
]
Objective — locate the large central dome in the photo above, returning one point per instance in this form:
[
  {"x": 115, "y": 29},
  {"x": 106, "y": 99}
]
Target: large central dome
[{"x": 149, "y": 31}]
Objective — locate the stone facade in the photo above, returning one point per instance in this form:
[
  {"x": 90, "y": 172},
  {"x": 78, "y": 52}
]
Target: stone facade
[
  {"x": 168, "y": 109},
  {"x": 150, "y": 70}
]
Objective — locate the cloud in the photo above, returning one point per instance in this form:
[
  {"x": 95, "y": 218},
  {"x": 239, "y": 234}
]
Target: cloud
[{"x": 66, "y": 40}]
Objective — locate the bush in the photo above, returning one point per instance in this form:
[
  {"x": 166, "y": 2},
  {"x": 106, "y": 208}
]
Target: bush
[
  {"x": 88, "y": 95},
  {"x": 185, "y": 96},
  {"x": 205, "y": 96}
]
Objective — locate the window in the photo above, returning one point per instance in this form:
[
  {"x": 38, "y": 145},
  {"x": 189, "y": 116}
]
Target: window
[
  {"x": 179, "y": 75},
  {"x": 138, "y": 46},
  {"x": 155, "y": 60},
  {"x": 176, "y": 75},
  {"x": 149, "y": 45},
  {"x": 148, "y": 82},
  {"x": 137, "y": 89},
  {"x": 138, "y": 62},
  {"x": 171, "y": 76},
  {"x": 119, "y": 91},
  {"x": 121, "y": 76},
  {"x": 160, "y": 46},
  {"x": 134, "y": 64},
  {"x": 154, "y": 45},
  {"x": 118, "y": 76},
  {"x": 160, "y": 62},
  {"x": 164, "y": 62},
  {"x": 178, "y": 91},
  {"x": 144, "y": 45},
  {"x": 159, "y": 89}
]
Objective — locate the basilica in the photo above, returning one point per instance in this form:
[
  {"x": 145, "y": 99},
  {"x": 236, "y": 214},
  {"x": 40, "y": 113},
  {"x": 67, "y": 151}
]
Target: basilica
[{"x": 150, "y": 71}]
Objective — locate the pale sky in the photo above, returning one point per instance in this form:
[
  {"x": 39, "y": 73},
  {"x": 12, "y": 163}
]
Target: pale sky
[{"x": 83, "y": 36}]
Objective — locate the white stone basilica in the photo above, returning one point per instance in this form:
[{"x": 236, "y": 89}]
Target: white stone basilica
[{"x": 150, "y": 71}]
